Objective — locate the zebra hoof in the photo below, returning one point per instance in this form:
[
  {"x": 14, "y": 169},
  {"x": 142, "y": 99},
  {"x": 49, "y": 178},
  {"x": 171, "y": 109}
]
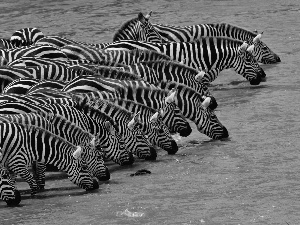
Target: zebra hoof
[
  {"x": 16, "y": 201},
  {"x": 95, "y": 186}
]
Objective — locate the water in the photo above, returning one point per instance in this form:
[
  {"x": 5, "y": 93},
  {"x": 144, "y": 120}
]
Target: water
[{"x": 252, "y": 178}]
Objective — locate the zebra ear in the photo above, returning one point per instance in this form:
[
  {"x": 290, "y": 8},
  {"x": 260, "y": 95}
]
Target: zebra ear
[
  {"x": 3, "y": 61},
  {"x": 131, "y": 123},
  {"x": 243, "y": 46},
  {"x": 171, "y": 96},
  {"x": 1, "y": 156},
  {"x": 141, "y": 17},
  {"x": 199, "y": 76},
  {"x": 77, "y": 152},
  {"x": 147, "y": 17},
  {"x": 161, "y": 111},
  {"x": 154, "y": 117},
  {"x": 250, "y": 48},
  {"x": 206, "y": 102},
  {"x": 93, "y": 141},
  {"x": 109, "y": 127},
  {"x": 137, "y": 117},
  {"x": 257, "y": 38}
]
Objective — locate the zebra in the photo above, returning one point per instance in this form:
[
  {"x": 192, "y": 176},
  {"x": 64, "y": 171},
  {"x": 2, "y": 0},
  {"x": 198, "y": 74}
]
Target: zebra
[
  {"x": 21, "y": 145},
  {"x": 261, "y": 51},
  {"x": 190, "y": 103},
  {"x": 65, "y": 129},
  {"x": 8, "y": 192},
  {"x": 130, "y": 127},
  {"x": 42, "y": 51},
  {"x": 211, "y": 54},
  {"x": 153, "y": 126}
]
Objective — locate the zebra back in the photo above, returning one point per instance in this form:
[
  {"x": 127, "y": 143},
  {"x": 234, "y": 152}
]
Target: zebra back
[
  {"x": 169, "y": 71},
  {"x": 44, "y": 51},
  {"x": 57, "y": 41},
  {"x": 36, "y": 61},
  {"x": 261, "y": 51},
  {"x": 54, "y": 84},
  {"x": 20, "y": 86}
]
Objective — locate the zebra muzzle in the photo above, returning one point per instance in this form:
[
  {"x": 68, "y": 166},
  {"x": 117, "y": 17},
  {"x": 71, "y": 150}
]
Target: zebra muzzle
[{"x": 16, "y": 201}]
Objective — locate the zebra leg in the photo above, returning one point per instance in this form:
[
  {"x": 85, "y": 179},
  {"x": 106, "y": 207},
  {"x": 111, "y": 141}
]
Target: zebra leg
[
  {"x": 39, "y": 170},
  {"x": 25, "y": 174}
]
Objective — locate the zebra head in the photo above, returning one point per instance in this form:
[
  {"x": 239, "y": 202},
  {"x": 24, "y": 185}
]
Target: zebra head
[
  {"x": 8, "y": 192},
  {"x": 139, "y": 142},
  {"x": 115, "y": 143},
  {"x": 173, "y": 118},
  {"x": 26, "y": 36},
  {"x": 197, "y": 110},
  {"x": 162, "y": 137},
  {"x": 94, "y": 160},
  {"x": 138, "y": 29},
  {"x": 79, "y": 174},
  {"x": 262, "y": 52},
  {"x": 148, "y": 32},
  {"x": 247, "y": 65}
]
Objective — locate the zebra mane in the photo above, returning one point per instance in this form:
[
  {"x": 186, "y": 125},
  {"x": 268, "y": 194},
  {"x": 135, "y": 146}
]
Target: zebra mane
[
  {"x": 115, "y": 73},
  {"x": 111, "y": 106},
  {"x": 224, "y": 26},
  {"x": 220, "y": 39},
  {"x": 87, "y": 106},
  {"x": 140, "y": 90},
  {"x": 170, "y": 63},
  {"x": 148, "y": 52},
  {"x": 133, "y": 102},
  {"x": 124, "y": 26}
]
